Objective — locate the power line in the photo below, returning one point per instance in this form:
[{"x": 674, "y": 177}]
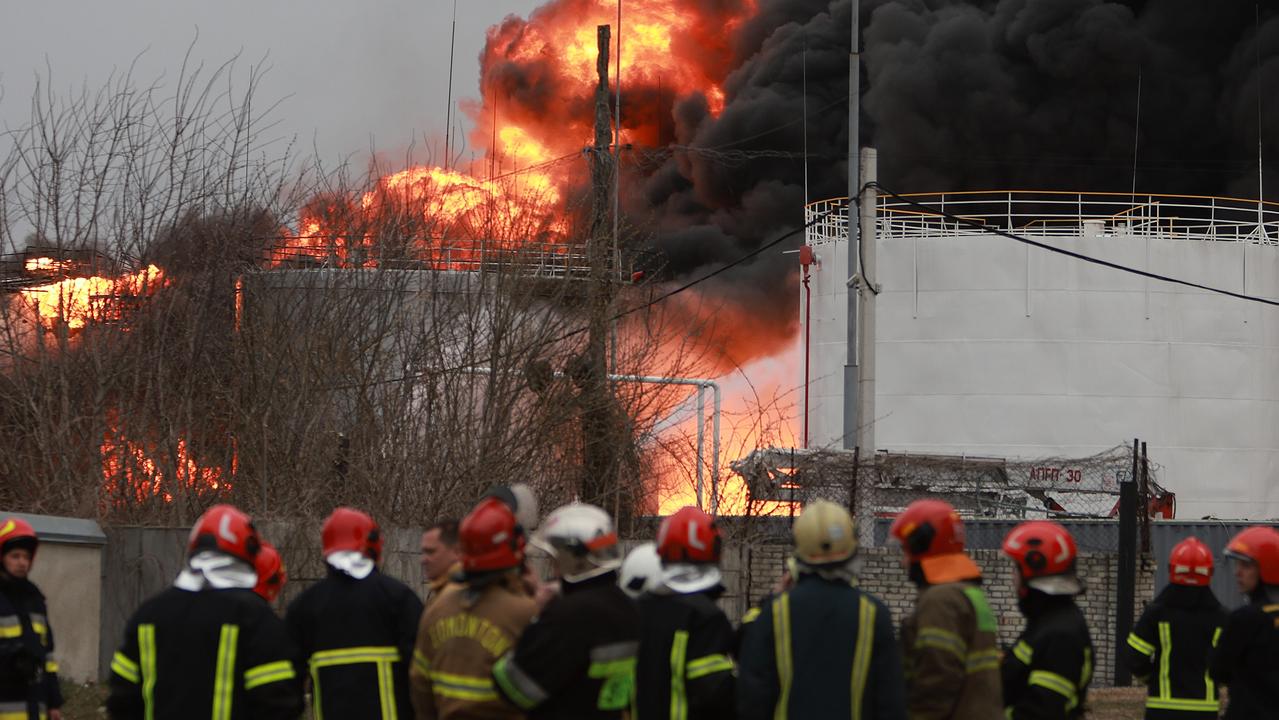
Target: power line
[{"x": 1068, "y": 253}]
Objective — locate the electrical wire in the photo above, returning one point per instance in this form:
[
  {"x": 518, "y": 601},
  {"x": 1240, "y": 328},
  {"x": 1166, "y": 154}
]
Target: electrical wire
[
  {"x": 491, "y": 360},
  {"x": 1068, "y": 253}
]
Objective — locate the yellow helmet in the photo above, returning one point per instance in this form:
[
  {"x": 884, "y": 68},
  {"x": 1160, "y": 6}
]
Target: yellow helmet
[{"x": 824, "y": 534}]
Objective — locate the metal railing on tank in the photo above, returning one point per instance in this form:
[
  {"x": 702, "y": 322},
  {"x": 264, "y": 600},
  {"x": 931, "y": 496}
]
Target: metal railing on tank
[{"x": 1036, "y": 213}]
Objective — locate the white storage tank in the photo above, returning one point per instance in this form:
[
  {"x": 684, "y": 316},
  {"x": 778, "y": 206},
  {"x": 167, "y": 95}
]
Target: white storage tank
[{"x": 987, "y": 346}]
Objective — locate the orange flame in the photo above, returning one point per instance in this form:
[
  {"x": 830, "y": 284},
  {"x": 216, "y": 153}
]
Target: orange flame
[
  {"x": 77, "y": 301},
  {"x": 132, "y": 472}
]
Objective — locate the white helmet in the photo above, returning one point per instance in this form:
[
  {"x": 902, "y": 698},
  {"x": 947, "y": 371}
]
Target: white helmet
[
  {"x": 585, "y": 531},
  {"x": 641, "y": 570}
]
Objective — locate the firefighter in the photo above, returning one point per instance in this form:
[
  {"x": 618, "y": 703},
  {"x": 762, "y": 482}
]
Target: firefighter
[
  {"x": 821, "y": 648},
  {"x": 641, "y": 571},
  {"x": 208, "y": 645},
  {"x": 271, "y": 573},
  {"x": 28, "y": 672},
  {"x": 439, "y": 557},
  {"x": 949, "y": 642},
  {"x": 1247, "y": 656},
  {"x": 1048, "y": 670},
  {"x": 577, "y": 659},
  {"x": 355, "y": 629},
  {"x": 684, "y": 669},
  {"x": 1170, "y": 646},
  {"x": 472, "y": 624}
]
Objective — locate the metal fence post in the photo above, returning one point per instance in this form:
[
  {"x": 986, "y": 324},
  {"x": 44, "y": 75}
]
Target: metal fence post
[{"x": 1127, "y": 581}]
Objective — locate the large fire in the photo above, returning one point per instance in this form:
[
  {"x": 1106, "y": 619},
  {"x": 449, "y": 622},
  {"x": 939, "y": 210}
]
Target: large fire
[{"x": 77, "y": 301}]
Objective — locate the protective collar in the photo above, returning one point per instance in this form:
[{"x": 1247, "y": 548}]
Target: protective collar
[
  {"x": 351, "y": 562},
  {"x": 210, "y": 570}
]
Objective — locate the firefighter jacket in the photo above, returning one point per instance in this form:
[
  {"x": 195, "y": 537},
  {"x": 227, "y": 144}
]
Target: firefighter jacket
[
  {"x": 435, "y": 588},
  {"x": 191, "y": 654},
  {"x": 684, "y": 670},
  {"x": 1047, "y": 671},
  {"x": 28, "y": 671},
  {"x": 1247, "y": 661},
  {"x": 577, "y": 659},
  {"x": 463, "y": 632},
  {"x": 951, "y": 656},
  {"x": 821, "y": 649},
  {"x": 355, "y": 638},
  {"x": 1169, "y": 649}
]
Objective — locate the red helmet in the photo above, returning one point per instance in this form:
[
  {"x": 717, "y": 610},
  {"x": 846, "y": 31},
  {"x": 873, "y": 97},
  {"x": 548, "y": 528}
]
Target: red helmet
[
  {"x": 1190, "y": 563},
  {"x": 16, "y": 533},
  {"x": 932, "y": 534},
  {"x": 688, "y": 536},
  {"x": 271, "y": 573},
  {"x": 490, "y": 539},
  {"x": 352, "y": 530},
  {"x": 1045, "y": 555},
  {"x": 226, "y": 529},
  {"x": 1258, "y": 544}
]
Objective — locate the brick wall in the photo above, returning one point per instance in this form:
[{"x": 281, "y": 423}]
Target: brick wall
[{"x": 759, "y": 566}]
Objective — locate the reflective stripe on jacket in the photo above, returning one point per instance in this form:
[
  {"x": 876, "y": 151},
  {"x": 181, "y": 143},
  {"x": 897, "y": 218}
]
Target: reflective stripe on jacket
[
  {"x": 1047, "y": 672},
  {"x": 684, "y": 671},
  {"x": 951, "y": 655},
  {"x": 1169, "y": 648},
  {"x": 462, "y": 633},
  {"x": 821, "y": 649}
]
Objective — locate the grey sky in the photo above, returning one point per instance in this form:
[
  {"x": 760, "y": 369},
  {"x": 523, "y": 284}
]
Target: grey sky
[{"x": 350, "y": 75}]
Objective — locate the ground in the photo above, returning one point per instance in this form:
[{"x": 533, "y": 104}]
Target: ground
[{"x": 83, "y": 702}]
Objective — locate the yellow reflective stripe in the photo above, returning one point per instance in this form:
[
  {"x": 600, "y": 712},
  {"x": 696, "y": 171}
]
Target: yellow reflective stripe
[
  {"x": 1085, "y": 676},
  {"x": 520, "y": 688},
  {"x": 463, "y": 687},
  {"x": 982, "y": 660},
  {"x": 1165, "y": 644},
  {"x": 1023, "y": 652},
  {"x": 386, "y": 690},
  {"x": 420, "y": 663},
  {"x": 861, "y": 653},
  {"x": 750, "y": 616},
  {"x": 1141, "y": 646},
  {"x": 939, "y": 639},
  {"x": 1209, "y": 685},
  {"x": 224, "y": 675},
  {"x": 146, "y": 653},
  {"x": 124, "y": 667},
  {"x": 352, "y": 655},
  {"x": 10, "y": 631},
  {"x": 268, "y": 673},
  {"x": 782, "y": 653},
  {"x": 1056, "y": 683},
  {"x": 679, "y": 651},
  {"x": 709, "y": 665},
  {"x": 51, "y": 666},
  {"x": 1181, "y": 704}
]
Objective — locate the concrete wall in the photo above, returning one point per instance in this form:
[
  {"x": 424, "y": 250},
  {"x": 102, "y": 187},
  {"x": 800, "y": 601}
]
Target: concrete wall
[{"x": 70, "y": 576}]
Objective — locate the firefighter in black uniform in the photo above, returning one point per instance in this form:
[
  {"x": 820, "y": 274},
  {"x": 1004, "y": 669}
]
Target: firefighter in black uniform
[
  {"x": 1247, "y": 656},
  {"x": 821, "y": 648},
  {"x": 28, "y": 673},
  {"x": 1170, "y": 646},
  {"x": 577, "y": 659},
  {"x": 1047, "y": 672},
  {"x": 356, "y": 629},
  {"x": 685, "y": 671},
  {"x": 208, "y": 646}
]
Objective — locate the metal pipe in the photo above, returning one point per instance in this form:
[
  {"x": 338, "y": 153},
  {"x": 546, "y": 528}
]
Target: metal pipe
[
  {"x": 701, "y": 438},
  {"x": 715, "y": 450},
  {"x": 851, "y": 373}
]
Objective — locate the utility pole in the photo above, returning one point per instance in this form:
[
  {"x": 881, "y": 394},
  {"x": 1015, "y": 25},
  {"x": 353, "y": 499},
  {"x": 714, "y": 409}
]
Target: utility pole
[
  {"x": 851, "y": 369},
  {"x": 601, "y": 441}
]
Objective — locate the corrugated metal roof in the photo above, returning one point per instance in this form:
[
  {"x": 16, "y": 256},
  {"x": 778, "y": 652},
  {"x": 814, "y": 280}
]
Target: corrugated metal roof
[{"x": 57, "y": 529}]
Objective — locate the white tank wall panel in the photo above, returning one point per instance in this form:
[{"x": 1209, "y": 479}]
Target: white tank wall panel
[{"x": 969, "y": 362}]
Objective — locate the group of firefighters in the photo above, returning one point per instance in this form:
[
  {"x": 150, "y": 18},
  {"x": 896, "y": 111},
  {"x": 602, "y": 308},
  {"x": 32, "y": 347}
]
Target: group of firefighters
[{"x": 641, "y": 637}]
